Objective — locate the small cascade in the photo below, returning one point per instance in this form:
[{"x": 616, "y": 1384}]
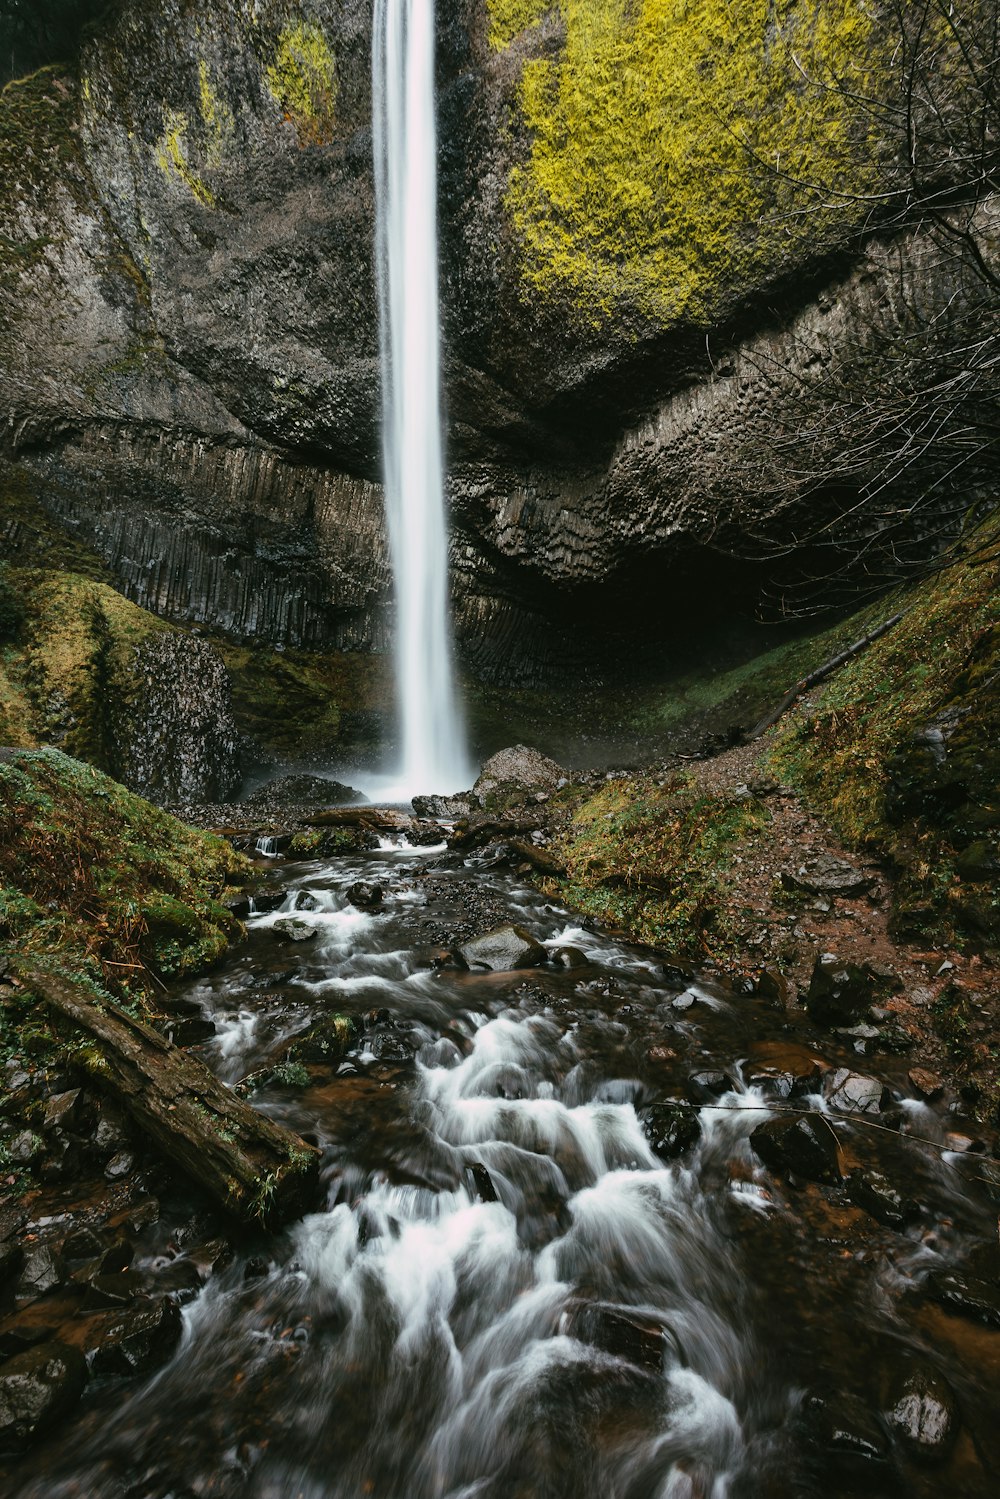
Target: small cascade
[
  {"x": 433, "y": 750},
  {"x": 266, "y": 848}
]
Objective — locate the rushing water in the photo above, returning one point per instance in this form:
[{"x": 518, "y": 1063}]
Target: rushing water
[
  {"x": 509, "y": 1294},
  {"x": 433, "y": 754}
]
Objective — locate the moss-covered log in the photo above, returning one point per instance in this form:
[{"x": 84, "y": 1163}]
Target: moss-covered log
[{"x": 252, "y": 1167}]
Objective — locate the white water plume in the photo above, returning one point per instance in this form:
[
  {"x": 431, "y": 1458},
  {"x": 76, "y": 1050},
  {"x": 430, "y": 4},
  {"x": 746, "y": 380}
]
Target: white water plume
[{"x": 433, "y": 751}]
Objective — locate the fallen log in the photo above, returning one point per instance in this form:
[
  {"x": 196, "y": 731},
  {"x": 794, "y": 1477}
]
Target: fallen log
[
  {"x": 539, "y": 858},
  {"x": 471, "y": 832},
  {"x": 382, "y": 819},
  {"x": 252, "y": 1167},
  {"x": 820, "y": 675}
]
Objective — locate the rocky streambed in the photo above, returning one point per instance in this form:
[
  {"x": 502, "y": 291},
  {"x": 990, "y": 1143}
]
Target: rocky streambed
[{"x": 589, "y": 1222}]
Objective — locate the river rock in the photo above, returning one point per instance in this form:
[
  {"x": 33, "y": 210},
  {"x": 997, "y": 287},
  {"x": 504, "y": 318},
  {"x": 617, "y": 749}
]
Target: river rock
[
  {"x": 328, "y": 1041},
  {"x": 805, "y": 1146},
  {"x": 288, "y": 929},
  {"x": 843, "y": 1435},
  {"x": 367, "y": 896},
  {"x": 874, "y": 1192},
  {"x": 839, "y": 993},
  {"x": 621, "y": 1331},
  {"x": 519, "y": 768},
  {"x": 922, "y": 1410},
  {"x": 925, "y": 1083},
  {"x": 64, "y": 1110},
  {"x": 503, "y": 949},
  {"x": 671, "y": 1127},
  {"x": 139, "y": 1339},
  {"x": 304, "y": 791},
  {"x": 972, "y": 1290},
  {"x": 782, "y": 1069},
  {"x": 708, "y": 1085},
  {"x": 568, "y": 957},
  {"x": 855, "y": 1093},
  {"x": 36, "y": 1389},
  {"x": 446, "y": 806},
  {"x": 43, "y": 1272}
]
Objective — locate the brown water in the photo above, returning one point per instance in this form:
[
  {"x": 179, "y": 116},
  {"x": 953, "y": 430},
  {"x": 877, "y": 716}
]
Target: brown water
[{"x": 508, "y": 1293}]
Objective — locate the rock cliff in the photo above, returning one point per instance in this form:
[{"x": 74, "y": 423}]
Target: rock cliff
[{"x": 656, "y": 233}]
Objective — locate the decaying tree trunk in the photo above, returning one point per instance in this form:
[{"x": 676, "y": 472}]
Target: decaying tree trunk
[{"x": 252, "y": 1167}]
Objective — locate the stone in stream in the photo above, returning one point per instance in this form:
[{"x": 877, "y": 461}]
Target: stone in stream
[
  {"x": 366, "y": 896},
  {"x": 329, "y": 1040},
  {"x": 805, "y": 1146},
  {"x": 139, "y": 1339},
  {"x": 503, "y": 949},
  {"x": 36, "y": 1389},
  {"x": 482, "y": 1183},
  {"x": 922, "y": 1410},
  {"x": 973, "y": 1289},
  {"x": 870, "y": 1190},
  {"x": 855, "y": 1093},
  {"x": 671, "y": 1127},
  {"x": 568, "y": 957},
  {"x": 839, "y": 993},
  {"x": 843, "y": 1437},
  {"x": 782, "y": 1069},
  {"x": 43, "y": 1272},
  {"x": 621, "y": 1331},
  {"x": 288, "y": 929},
  {"x": 708, "y": 1085}
]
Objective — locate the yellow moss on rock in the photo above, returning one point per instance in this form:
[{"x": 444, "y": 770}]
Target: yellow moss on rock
[
  {"x": 676, "y": 143},
  {"x": 217, "y": 118},
  {"x": 172, "y": 156},
  {"x": 508, "y": 18},
  {"x": 303, "y": 81}
]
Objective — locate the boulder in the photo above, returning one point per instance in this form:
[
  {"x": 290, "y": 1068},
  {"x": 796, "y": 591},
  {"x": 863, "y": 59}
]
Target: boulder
[
  {"x": 827, "y": 875},
  {"x": 446, "y": 806},
  {"x": 839, "y": 993},
  {"x": 804, "y": 1146},
  {"x": 43, "y": 1272},
  {"x": 139, "y": 1339},
  {"x": 519, "y": 767},
  {"x": 671, "y": 1127},
  {"x": 366, "y": 896},
  {"x": 782, "y": 1069},
  {"x": 621, "y": 1331},
  {"x": 706, "y": 1086},
  {"x": 843, "y": 1437},
  {"x": 855, "y": 1093},
  {"x": 36, "y": 1389},
  {"x": 874, "y": 1192},
  {"x": 328, "y": 1041},
  {"x": 288, "y": 929},
  {"x": 503, "y": 949},
  {"x": 922, "y": 1411}
]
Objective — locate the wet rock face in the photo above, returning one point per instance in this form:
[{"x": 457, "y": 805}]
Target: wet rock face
[
  {"x": 179, "y": 742},
  {"x": 195, "y": 390},
  {"x": 36, "y": 1389}
]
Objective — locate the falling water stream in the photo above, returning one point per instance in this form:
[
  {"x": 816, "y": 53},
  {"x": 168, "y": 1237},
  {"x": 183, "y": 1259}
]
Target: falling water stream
[
  {"x": 510, "y": 1288},
  {"x": 404, "y": 143}
]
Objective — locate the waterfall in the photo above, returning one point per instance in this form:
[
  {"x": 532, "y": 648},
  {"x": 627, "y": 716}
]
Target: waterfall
[{"x": 433, "y": 751}]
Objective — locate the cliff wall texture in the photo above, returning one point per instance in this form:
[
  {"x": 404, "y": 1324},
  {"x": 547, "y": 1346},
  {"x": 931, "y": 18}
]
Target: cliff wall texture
[{"x": 658, "y": 228}]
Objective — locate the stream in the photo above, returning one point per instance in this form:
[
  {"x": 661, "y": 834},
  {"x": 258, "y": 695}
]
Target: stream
[{"x": 524, "y": 1285}]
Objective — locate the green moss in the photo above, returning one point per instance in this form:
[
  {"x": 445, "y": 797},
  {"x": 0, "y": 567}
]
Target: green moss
[
  {"x": 303, "y": 81},
  {"x": 672, "y": 145},
  {"x": 652, "y": 860},
  {"x": 98, "y": 882},
  {"x": 860, "y": 754},
  {"x": 77, "y": 663},
  {"x": 294, "y": 702}
]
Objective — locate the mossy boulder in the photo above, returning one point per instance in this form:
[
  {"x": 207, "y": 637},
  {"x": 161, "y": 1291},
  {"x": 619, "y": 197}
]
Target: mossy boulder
[{"x": 109, "y": 683}]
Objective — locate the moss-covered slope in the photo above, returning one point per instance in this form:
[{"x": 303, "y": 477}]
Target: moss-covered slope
[{"x": 97, "y": 882}]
